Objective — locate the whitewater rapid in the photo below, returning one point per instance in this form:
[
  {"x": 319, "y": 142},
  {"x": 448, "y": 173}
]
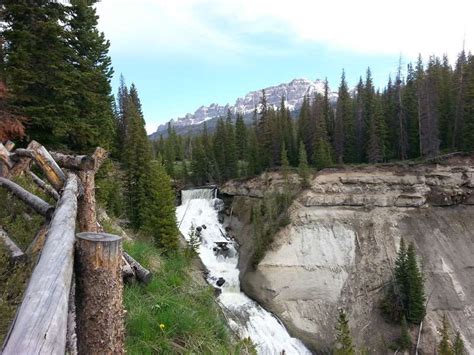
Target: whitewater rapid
[{"x": 246, "y": 317}]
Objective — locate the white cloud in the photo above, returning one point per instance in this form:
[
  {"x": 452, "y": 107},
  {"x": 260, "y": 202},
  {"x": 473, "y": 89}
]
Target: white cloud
[{"x": 202, "y": 27}]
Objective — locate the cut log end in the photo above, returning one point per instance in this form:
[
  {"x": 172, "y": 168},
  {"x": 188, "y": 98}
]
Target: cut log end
[{"x": 98, "y": 237}]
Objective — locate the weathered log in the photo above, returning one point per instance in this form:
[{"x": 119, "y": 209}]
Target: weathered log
[
  {"x": 73, "y": 162},
  {"x": 100, "y": 328},
  {"x": 5, "y": 161},
  {"x": 41, "y": 321},
  {"x": 37, "y": 244},
  {"x": 22, "y": 161},
  {"x": 127, "y": 271},
  {"x": 45, "y": 161},
  {"x": 9, "y": 145},
  {"x": 44, "y": 186},
  {"x": 71, "y": 335},
  {"x": 36, "y": 203},
  {"x": 16, "y": 254},
  {"x": 87, "y": 205},
  {"x": 143, "y": 274}
]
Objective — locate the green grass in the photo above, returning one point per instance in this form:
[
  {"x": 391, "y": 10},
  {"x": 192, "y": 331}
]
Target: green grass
[
  {"x": 174, "y": 313},
  {"x": 21, "y": 224}
]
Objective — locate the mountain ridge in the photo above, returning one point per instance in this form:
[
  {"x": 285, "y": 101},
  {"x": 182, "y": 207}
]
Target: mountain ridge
[{"x": 293, "y": 92}]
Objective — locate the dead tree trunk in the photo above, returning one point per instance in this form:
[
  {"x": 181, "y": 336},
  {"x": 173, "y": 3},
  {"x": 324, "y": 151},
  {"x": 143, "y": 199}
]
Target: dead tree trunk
[
  {"x": 37, "y": 204},
  {"x": 16, "y": 254},
  {"x": 100, "y": 326},
  {"x": 87, "y": 204},
  {"x": 41, "y": 321},
  {"x": 44, "y": 186}
]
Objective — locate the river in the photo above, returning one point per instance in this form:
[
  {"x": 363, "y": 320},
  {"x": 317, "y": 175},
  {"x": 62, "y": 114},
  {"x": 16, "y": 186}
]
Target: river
[{"x": 245, "y": 316}]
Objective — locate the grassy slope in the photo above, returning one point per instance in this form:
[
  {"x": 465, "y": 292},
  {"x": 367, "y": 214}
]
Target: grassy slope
[
  {"x": 174, "y": 313},
  {"x": 21, "y": 223}
]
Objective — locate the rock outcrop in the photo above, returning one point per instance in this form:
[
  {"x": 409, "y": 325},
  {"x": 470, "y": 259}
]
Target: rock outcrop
[{"x": 340, "y": 247}]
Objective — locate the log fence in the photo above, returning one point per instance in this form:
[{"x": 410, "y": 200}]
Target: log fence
[{"x": 48, "y": 318}]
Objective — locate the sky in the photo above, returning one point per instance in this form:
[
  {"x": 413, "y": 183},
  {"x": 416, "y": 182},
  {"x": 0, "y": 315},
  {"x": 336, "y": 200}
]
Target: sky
[{"x": 182, "y": 54}]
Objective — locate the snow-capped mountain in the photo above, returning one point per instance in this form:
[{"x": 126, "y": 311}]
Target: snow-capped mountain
[{"x": 293, "y": 92}]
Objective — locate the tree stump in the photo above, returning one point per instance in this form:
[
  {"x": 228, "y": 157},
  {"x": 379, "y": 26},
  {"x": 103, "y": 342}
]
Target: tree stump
[{"x": 100, "y": 328}]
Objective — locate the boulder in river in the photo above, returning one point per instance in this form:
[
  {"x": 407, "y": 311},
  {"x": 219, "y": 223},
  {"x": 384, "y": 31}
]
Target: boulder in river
[{"x": 220, "y": 281}]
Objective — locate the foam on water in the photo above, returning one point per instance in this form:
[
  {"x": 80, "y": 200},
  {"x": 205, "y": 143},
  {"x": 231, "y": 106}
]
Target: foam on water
[{"x": 246, "y": 317}]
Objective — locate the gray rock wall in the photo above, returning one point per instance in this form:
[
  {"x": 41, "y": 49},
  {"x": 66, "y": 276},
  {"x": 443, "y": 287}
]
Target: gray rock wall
[{"x": 340, "y": 248}]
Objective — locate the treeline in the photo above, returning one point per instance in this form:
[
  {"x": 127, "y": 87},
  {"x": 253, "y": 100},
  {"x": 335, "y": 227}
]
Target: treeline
[
  {"x": 55, "y": 74},
  {"x": 427, "y": 111}
]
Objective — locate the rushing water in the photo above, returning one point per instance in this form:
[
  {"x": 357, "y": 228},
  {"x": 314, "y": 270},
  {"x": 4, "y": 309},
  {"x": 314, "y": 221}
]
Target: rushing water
[{"x": 245, "y": 316}]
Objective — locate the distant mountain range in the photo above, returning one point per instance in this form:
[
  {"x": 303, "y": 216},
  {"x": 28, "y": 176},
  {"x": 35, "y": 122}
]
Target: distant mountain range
[{"x": 293, "y": 92}]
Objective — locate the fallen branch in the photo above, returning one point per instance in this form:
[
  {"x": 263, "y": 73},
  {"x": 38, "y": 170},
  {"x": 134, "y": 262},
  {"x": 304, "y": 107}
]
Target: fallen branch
[
  {"x": 144, "y": 275},
  {"x": 36, "y": 203},
  {"x": 41, "y": 322},
  {"x": 44, "y": 186},
  {"x": 16, "y": 254}
]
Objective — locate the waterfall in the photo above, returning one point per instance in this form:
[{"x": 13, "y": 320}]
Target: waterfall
[
  {"x": 206, "y": 194},
  {"x": 218, "y": 252}
]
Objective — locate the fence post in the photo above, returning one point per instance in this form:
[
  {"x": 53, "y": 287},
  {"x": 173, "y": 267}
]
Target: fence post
[{"x": 100, "y": 328}]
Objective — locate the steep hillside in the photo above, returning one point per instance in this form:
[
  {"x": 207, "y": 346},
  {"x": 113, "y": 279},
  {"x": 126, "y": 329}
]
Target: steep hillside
[{"x": 340, "y": 247}]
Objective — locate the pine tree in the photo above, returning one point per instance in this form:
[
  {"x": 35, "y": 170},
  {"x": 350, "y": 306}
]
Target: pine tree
[
  {"x": 344, "y": 132},
  {"x": 136, "y": 160},
  {"x": 458, "y": 345},
  {"x": 343, "y": 344},
  {"x": 159, "y": 215},
  {"x": 253, "y": 156},
  {"x": 230, "y": 149},
  {"x": 415, "y": 293},
  {"x": 468, "y": 107},
  {"x": 303, "y": 168},
  {"x": 410, "y": 107},
  {"x": 93, "y": 71},
  {"x": 285, "y": 164},
  {"x": 405, "y": 341},
  {"x": 375, "y": 146},
  {"x": 306, "y": 127},
  {"x": 444, "y": 346},
  {"x": 360, "y": 127},
  {"x": 401, "y": 117},
  {"x": 219, "y": 146},
  {"x": 41, "y": 81},
  {"x": 459, "y": 89},
  {"x": 169, "y": 156},
  {"x": 240, "y": 137},
  {"x": 322, "y": 155}
]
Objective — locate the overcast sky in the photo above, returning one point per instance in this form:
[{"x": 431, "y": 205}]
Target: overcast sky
[{"x": 185, "y": 53}]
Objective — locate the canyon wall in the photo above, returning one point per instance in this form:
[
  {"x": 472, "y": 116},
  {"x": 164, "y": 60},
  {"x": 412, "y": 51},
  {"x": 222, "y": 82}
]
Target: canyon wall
[{"x": 340, "y": 247}]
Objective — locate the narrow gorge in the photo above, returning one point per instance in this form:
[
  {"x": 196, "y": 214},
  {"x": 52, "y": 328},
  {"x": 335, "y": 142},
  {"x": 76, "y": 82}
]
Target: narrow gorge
[{"x": 339, "y": 248}]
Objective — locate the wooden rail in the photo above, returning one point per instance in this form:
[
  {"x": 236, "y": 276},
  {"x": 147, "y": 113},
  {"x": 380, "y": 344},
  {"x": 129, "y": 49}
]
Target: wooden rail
[{"x": 41, "y": 321}]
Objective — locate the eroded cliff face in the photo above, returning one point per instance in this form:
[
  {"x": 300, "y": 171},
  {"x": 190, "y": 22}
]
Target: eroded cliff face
[{"x": 340, "y": 248}]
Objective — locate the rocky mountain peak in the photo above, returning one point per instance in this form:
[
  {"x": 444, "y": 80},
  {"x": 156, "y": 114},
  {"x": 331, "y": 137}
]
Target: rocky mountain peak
[{"x": 293, "y": 92}]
